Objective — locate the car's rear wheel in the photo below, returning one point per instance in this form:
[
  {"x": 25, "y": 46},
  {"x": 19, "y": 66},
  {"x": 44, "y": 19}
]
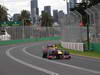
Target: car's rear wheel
[
  {"x": 44, "y": 54},
  {"x": 59, "y": 56},
  {"x": 66, "y": 53}
]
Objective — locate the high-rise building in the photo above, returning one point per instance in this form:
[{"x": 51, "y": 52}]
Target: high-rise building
[
  {"x": 61, "y": 13},
  {"x": 47, "y": 9},
  {"x": 34, "y": 11},
  {"x": 71, "y": 4},
  {"x": 68, "y": 7},
  {"x": 16, "y": 17},
  {"x": 55, "y": 15},
  {"x": 62, "y": 18}
]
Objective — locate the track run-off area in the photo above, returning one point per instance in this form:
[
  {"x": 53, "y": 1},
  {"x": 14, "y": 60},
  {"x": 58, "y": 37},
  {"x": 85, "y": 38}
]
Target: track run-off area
[{"x": 26, "y": 59}]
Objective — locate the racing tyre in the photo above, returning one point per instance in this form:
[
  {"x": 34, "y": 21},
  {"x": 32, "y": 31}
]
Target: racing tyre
[
  {"x": 44, "y": 54},
  {"x": 59, "y": 56}
]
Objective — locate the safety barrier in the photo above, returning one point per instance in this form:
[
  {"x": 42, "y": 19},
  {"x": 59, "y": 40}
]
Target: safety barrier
[
  {"x": 95, "y": 47},
  {"x": 73, "y": 46},
  {"x": 9, "y": 42}
]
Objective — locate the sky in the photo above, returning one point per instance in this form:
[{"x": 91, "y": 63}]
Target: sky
[{"x": 15, "y": 6}]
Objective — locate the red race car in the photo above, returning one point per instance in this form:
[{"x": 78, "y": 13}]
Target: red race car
[{"x": 51, "y": 52}]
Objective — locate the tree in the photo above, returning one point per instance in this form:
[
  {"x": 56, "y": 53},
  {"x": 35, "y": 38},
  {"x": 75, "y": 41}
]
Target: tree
[
  {"x": 46, "y": 20},
  {"x": 81, "y": 7},
  {"x": 3, "y": 14},
  {"x": 25, "y": 17},
  {"x": 94, "y": 2}
]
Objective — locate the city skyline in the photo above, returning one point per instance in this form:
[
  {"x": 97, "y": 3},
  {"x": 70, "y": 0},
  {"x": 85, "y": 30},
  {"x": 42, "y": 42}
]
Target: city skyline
[{"x": 23, "y": 4}]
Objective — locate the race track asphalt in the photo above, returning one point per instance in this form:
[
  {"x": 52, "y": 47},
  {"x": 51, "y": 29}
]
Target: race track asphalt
[{"x": 25, "y": 59}]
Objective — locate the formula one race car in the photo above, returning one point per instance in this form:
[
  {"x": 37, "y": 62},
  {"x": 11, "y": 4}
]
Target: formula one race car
[{"x": 52, "y": 52}]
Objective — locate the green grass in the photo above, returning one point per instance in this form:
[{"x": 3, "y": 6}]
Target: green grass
[{"x": 80, "y": 53}]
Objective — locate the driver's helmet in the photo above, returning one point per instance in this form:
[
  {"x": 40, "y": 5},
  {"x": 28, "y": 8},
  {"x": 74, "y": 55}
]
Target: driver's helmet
[
  {"x": 49, "y": 45},
  {"x": 60, "y": 52},
  {"x": 54, "y": 45}
]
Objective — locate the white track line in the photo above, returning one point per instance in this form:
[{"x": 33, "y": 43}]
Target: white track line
[
  {"x": 67, "y": 65},
  {"x": 27, "y": 64},
  {"x": 91, "y": 59}
]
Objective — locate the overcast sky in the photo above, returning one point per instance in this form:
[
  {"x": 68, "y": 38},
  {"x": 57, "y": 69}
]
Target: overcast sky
[{"x": 15, "y": 6}]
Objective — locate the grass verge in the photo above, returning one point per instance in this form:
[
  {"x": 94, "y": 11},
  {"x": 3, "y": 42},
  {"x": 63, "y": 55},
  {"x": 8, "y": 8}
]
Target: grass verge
[{"x": 79, "y": 53}]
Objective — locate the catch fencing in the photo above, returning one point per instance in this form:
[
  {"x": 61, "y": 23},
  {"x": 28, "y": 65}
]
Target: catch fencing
[
  {"x": 74, "y": 32},
  {"x": 94, "y": 14},
  {"x": 77, "y": 33},
  {"x": 28, "y": 32}
]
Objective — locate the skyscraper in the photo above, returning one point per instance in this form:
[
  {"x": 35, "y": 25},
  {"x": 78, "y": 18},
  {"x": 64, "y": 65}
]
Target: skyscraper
[
  {"x": 34, "y": 11},
  {"x": 71, "y": 4},
  {"x": 61, "y": 18},
  {"x": 16, "y": 17},
  {"x": 61, "y": 14},
  {"x": 55, "y": 15},
  {"x": 68, "y": 7},
  {"x": 47, "y": 9}
]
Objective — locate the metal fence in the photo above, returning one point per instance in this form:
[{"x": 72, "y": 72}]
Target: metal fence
[
  {"x": 26, "y": 32},
  {"x": 72, "y": 30},
  {"x": 94, "y": 13}
]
